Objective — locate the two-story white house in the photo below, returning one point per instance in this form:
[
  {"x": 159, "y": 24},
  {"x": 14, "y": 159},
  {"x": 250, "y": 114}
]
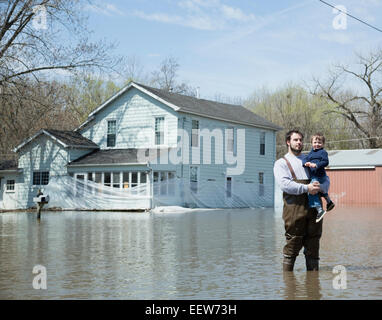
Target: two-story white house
[{"x": 146, "y": 147}]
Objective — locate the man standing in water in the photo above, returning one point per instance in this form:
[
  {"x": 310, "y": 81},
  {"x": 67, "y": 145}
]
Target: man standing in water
[{"x": 301, "y": 229}]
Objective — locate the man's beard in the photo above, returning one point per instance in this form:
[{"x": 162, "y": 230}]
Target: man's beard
[{"x": 296, "y": 151}]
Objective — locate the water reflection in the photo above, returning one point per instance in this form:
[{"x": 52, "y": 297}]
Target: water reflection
[
  {"x": 217, "y": 254},
  {"x": 310, "y": 289}
]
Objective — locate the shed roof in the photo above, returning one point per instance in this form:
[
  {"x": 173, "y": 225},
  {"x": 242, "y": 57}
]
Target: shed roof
[
  {"x": 7, "y": 165},
  {"x": 66, "y": 138},
  {"x": 355, "y": 158}
]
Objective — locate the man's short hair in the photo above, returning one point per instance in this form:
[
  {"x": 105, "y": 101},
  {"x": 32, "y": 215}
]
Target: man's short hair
[
  {"x": 289, "y": 134},
  {"x": 318, "y": 135}
]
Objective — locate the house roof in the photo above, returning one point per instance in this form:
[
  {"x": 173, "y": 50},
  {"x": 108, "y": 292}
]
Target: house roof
[
  {"x": 67, "y": 139},
  {"x": 196, "y": 106},
  {"x": 117, "y": 157},
  {"x": 8, "y": 165},
  {"x": 212, "y": 109},
  {"x": 354, "y": 158}
]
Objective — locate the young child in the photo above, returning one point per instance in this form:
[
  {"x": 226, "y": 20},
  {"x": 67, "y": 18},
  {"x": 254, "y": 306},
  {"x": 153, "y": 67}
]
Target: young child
[{"x": 317, "y": 160}]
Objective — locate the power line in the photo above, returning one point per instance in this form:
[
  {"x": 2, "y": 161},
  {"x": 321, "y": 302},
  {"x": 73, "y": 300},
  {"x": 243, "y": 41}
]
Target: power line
[{"x": 369, "y": 25}]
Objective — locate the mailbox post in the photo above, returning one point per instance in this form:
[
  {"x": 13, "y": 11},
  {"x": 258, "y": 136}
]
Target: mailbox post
[{"x": 40, "y": 200}]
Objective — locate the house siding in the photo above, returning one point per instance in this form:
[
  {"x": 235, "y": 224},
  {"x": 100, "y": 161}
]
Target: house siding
[
  {"x": 135, "y": 114},
  {"x": 254, "y": 163}
]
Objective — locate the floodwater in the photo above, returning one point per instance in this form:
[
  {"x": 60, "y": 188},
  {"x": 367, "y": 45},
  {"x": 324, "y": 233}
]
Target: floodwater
[{"x": 210, "y": 254}]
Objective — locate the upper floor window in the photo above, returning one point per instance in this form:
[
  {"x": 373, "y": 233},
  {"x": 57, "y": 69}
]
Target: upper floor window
[
  {"x": 262, "y": 143},
  {"x": 159, "y": 130},
  {"x": 111, "y": 133},
  {"x": 195, "y": 133},
  {"x": 40, "y": 178}
]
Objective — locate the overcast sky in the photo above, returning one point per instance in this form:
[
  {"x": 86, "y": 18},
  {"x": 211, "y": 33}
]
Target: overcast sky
[{"x": 233, "y": 47}]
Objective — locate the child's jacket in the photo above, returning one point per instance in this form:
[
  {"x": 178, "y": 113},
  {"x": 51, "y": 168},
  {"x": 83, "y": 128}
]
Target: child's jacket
[{"x": 320, "y": 158}]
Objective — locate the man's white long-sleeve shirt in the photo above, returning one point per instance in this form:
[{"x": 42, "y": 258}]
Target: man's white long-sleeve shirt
[{"x": 284, "y": 178}]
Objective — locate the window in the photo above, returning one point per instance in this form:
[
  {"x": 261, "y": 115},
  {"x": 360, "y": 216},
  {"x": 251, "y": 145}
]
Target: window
[
  {"x": 195, "y": 133},
  {"x": 230, "y": 139},
  {"x": 261, "y": 184},
  {"x": 116, "y": 178},
  {"x": 134, "y": 182},
  {"x": 262, "y": 143},
  {"x": 10, "y": 185},
  {"x": 111, "y": 133},
  {"x": 80, "y": 186},
  {"x": 194, "y": 179},
  {"x": 125, "y": 180},
  {"x": 143, "y": 177},
  {"x": 107, "y": 179},
  {"x": 90, "y": 178},
  {"x": 159, "y": 130},
  {"x": 98, "y": 177},
  {"x": 229, "y": 187},
  {"x": 164, "y": 183},
  {"x": 40, "y": 178}
]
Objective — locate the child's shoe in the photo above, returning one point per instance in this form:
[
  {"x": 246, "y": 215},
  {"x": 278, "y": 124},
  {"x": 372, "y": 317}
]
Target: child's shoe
[
  {"x": 330, "y": 205},
  {"x": 320, "y": 214}
]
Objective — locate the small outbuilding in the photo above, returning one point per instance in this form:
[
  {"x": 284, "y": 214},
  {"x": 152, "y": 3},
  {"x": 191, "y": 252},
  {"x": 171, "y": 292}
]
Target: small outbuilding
[{"x": 356, "y": 177}]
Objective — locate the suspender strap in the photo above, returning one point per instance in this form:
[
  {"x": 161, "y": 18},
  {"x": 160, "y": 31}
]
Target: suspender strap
[{"x": 290, "y": 168}]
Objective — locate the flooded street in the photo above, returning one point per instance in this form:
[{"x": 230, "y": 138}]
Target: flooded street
[{"x": 211, "y": 254}]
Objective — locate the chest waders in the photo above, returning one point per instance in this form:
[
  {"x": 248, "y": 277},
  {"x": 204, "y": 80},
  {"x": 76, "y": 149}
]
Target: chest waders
[{"x": 301, "y": 229}]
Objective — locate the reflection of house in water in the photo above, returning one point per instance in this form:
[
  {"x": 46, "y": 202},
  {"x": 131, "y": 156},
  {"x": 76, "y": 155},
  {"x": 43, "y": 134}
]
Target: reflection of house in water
[
  {"x": 356, "y": 176},
  {"x": 145, "y": 147}
]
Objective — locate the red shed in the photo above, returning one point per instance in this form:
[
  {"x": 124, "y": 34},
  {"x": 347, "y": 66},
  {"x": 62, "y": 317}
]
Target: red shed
[{"x": 355, "y": 177}]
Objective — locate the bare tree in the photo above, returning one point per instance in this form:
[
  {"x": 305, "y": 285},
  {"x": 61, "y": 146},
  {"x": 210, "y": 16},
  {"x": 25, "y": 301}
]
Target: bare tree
[
  {"x": 166, "y": 78},
  {"x": 32, "y": 108},
  {"x": 133, "y": 70},
  {"x": 292, "y": 106},
  {"x": 355, "y": 93},
  {"x": 39, "y": 37},
  {"x": 40, "y": 41}
]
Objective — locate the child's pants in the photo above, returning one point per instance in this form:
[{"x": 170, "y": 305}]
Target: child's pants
[{"x": 314, "y": 199}]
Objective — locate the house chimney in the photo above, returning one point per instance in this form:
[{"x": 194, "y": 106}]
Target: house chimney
[{"x": 198, "y": 92}]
